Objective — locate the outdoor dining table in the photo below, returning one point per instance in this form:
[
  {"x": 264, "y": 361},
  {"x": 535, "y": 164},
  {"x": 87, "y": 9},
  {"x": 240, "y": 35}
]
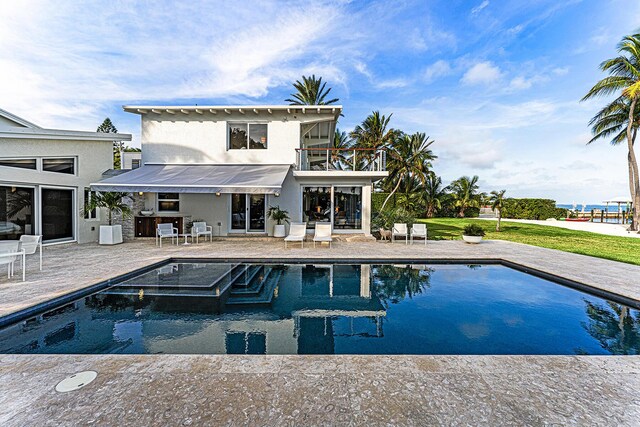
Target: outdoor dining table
[{"x": 4, "y": 248}]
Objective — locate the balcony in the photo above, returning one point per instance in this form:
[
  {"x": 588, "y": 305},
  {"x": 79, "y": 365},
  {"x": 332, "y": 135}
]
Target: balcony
[{"x": 368, "y": 161}]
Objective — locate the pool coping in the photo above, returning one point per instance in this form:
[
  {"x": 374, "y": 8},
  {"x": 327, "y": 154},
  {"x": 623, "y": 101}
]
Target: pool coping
[{"x": 53, "y": 303}]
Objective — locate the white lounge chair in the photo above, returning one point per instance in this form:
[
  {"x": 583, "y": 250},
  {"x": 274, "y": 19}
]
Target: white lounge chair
[
  {"x": 166, "y": 230},
  {"x": 31, "y": 244},
  {"x": 400, "y": 230},
  {"x": 9, "y": 251},
  {"x": 420, "y": 231},
  {"x": 297, "y": 233},
  {"x": 201, "y": 229},
  {"x": 323, "y": 234}
]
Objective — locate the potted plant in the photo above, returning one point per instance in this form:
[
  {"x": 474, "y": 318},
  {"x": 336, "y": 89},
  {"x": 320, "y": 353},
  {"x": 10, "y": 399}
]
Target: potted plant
[
  {"x": 472, "y": 233},
  {"x": 280, "y": 216},
  {"x": 113, "y": 202}
]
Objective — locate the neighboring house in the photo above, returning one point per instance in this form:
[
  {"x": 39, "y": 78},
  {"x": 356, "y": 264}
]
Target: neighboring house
[
  {"x": 131, "y": 160},
  {"x": 227, "y": 164},
  {"x": 44, "y": 179}
]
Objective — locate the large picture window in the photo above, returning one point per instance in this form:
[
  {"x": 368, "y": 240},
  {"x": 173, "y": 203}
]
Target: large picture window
[
  {"x": 342, "y": 207},
  {"x": 244, "y": 136},
  {"x": 16, "y": 212}
]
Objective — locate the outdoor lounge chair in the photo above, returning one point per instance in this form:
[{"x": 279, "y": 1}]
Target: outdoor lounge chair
[
  {"x": 401, "y": 231},
  {"x": 297, "y": 233},
  {"x": 31, "y": 244},
  {"x": 201, "y": 229},
  {"x": 323, "y": 234},
  {"x": 166, "y": 230},
  {"x": 420, "y": 231}
]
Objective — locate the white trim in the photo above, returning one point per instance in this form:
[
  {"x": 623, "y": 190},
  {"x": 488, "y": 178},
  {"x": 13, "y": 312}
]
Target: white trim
[
  {"x": 17, "y": 119},
  {"x": 28, "y": 133}
]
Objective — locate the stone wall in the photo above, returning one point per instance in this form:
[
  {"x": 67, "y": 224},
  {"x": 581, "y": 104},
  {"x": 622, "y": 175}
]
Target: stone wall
[{"x": 136, "y": 202}]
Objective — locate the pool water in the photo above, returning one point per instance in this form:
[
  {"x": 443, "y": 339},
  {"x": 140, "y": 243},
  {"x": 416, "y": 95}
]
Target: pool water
[{"x": 215, "y": 308}]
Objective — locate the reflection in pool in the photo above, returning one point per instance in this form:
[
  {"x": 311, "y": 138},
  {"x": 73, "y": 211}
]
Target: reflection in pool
[{"x": 209, "y": 308}]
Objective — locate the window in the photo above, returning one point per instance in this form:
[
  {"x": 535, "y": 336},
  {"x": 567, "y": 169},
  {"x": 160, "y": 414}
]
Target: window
[
  {"x": 342, "y": 207},
  {"x": 244, "y": 136},
  {"x": 135, "y": 163},
  {"x": 168, "y": 202},
  {"x": 57, "y": 214},
  {"x": 19, "y": 163},
  {"x": 16, "y": 212},
  {"x": 63, "y": 165},
  {"x": 92, "y": 214}
]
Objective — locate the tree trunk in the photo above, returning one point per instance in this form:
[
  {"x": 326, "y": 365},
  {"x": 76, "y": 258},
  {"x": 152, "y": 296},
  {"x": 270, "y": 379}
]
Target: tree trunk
[
  {"x": 634, "y": 164},
  {"x": 110, "y": 217},
  {"x": 390, "y": 194},
  {"x": 499, "y": 218},
  {"x": 633, "y": 176}
]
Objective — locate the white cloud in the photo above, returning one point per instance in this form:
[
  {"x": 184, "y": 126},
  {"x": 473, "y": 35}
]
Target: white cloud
[
  {"x": 480, "y": 7},
  {"x": 520, "y": 83},
  {"x": 437, "y": 69},
  {"x": 482, "y": 73},
  {"x": 560, "y": 71}
]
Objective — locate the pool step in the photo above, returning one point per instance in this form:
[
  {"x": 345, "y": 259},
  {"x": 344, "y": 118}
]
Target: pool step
[
  {"x": 255, "y": 286},
  {"x": 264, "y": 297},
  {"x": 246, "y": 281}
]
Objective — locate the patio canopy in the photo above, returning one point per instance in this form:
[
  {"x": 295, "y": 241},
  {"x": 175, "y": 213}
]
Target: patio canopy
[{"x": 254, "y": 179}]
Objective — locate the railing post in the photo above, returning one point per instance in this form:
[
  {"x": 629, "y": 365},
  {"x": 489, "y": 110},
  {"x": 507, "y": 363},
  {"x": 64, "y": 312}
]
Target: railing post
[
  {"x": 354, "y": 159},
  {"x": 297, "y": 159},
  {"x": 327, "y": 159}
]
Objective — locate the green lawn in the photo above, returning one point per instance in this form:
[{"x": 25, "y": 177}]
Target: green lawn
[{"x": 624, "y": 249}]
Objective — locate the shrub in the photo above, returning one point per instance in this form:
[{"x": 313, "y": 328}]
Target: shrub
[
  {"x": 387, "y": 218},
  {"x": 532, "y": 209},
  {"x": 473, "y": 230}
]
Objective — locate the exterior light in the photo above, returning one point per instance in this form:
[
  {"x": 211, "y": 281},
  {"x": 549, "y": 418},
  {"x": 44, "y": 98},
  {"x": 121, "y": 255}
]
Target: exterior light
[
  {"x": 140, "y": 193},
  {"x": 217, "y": 194},
  {"x": 277, "y": 194}
]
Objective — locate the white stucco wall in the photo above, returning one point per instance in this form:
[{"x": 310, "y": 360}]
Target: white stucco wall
[
  {"x": 196, "y": 138},
  {"x": 93, "y": 158}
]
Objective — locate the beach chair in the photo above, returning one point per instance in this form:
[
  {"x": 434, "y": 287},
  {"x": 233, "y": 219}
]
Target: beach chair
[{"x": 322, "y": 234}]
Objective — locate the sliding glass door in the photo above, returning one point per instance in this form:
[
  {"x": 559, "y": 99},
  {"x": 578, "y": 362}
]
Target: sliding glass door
[
  {"x": 340, "y": 206},
  {"x": 16, "y": 212},
  {"x": 57, "y": 214},
  {"x": 248, "y": 213}
]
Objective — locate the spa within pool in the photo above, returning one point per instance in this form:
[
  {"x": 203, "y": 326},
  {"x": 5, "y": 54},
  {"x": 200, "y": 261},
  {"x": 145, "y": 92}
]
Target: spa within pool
[{"x": 238, "y": 308}]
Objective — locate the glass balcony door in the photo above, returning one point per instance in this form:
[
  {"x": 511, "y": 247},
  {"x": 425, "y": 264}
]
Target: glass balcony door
[{"x": 248, "y": 213}]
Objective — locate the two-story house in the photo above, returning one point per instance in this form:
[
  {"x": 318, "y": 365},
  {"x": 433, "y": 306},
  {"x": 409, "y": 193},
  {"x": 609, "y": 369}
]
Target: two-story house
[{"x": 228, "y": 164}]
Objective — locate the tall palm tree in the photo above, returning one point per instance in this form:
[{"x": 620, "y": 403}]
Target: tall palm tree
[
  {"x": 496, "y": 198},
  {"x": 342, "y": 157},
  {"x": 409, "y": 156},
  {"x": 433, "y": 194},
  {"x": 611, "y": 122},
  {"x": 374, "y": 132},
  {"x": 465, "y": 193},
  {"x": 624, "y": 80},
  {"x": 310, "y": 91}
]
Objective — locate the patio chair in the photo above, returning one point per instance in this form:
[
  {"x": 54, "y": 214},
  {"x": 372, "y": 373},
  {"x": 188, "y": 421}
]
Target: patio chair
[
  {"x": 297, "y": 233},
  {"x": 400, "y": 230},
  {"x": 31, "y": 244},
  {"x": 323, "y": 234},
  {"x": 166, "y": 230},
  {"x": 420, "y": 231},
  {"x": 9, "y": 252},
  {"x": 202, "y": 229}
]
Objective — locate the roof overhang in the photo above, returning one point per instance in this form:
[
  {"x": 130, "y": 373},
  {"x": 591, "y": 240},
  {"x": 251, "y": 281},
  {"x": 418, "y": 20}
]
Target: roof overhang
[
  {"x": 253, "y": 179},
  {"x": 40, "y": 133},
  {"x": 342, "y": 174},
  {"x": 223, "y": 110}
]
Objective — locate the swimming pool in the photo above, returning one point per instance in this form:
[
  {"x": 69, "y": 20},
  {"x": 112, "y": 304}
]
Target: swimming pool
[{"x": 333, "y": 308}]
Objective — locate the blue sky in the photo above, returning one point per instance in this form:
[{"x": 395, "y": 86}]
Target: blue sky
[{"x": 495, "y": 83}]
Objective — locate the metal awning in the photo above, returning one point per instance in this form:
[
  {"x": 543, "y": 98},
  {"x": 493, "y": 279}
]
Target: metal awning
[{"x": 254, "y": 179}]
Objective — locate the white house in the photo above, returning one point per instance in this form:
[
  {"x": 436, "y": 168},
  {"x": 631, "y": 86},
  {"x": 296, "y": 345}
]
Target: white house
[
  {"x": 227, "y": 164},
  {"x": 45, "y": 175}
]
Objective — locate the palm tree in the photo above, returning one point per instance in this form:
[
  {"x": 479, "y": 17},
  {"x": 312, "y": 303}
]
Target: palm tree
[
  {"x": 341, "y": 156},
  {"x": 465, "y": 193},
  {"x": 497, "y": 201},
  {"x": 433, "y": 194},
  {"x": 310, "y": 91},
  {"x": 611, "y": 122},
  {"x": 624, "y": 78},
  {"x": 373, "y": 133},
  {"x": 408, "y": 157},
  {"x": 112, "y": 201}
]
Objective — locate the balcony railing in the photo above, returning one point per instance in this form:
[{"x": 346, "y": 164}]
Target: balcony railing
[{"x": 341, "y": 159}]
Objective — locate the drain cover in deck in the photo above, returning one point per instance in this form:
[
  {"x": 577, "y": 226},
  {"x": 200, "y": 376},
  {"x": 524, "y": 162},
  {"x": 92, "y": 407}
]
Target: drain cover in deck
[{"x": 76, "y": 381}]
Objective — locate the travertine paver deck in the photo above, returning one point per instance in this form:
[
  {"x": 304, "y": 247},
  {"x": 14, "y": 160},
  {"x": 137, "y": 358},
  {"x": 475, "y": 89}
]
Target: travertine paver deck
[
  {"x": 157, "y": 390},
  {"x": 72, "y": 267}
]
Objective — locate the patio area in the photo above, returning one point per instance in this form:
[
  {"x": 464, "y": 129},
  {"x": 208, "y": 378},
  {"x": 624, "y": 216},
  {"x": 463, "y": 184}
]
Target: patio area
[{"x": 314, "y": 390}]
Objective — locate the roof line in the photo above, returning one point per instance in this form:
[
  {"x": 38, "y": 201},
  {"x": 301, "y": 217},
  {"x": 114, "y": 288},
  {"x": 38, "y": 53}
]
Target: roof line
[{"x": 17, "y": 119}]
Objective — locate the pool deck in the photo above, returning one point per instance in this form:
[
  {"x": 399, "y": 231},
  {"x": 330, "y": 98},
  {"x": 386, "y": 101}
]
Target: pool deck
[{"x": 314, "y": 390}]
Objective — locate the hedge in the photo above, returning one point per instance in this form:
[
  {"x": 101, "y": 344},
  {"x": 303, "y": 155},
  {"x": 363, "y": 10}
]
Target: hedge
[{"x": 532, "y": 209}]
